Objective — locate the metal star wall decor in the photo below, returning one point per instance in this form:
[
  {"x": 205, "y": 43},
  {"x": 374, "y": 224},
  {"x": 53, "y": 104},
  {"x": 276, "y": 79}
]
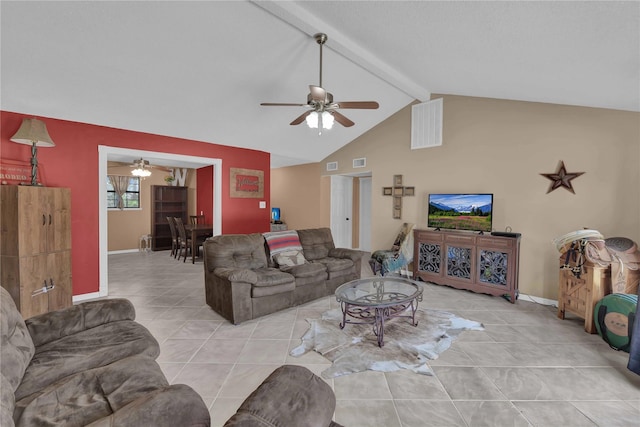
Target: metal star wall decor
[{"x": 561, "y": 178}]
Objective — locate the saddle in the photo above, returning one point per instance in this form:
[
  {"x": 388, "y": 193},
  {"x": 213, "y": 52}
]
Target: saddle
[
  {"x": 620, "y": 253},
  {"x": 623, "y": 256}
]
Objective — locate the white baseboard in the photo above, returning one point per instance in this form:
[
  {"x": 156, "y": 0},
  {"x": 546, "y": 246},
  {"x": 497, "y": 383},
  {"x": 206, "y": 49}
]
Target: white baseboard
[
  {"x": 123, "y": 251},
  {"x": 84, "y": 297},
  {"x": 539, "y": 300}
]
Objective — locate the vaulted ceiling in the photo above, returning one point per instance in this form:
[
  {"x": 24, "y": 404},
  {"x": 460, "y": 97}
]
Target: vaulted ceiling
[{"x": 199, "y": 70}]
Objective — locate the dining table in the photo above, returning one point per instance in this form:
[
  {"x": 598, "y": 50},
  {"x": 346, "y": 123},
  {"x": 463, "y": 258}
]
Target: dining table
[{"x": 197, "y": 231}]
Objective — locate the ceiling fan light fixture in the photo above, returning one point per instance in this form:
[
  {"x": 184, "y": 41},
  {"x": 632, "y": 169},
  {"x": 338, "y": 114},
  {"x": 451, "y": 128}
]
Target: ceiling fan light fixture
[
  {"x": 312, "y": 120},
  {"x": 327, "y": 120},
  {"x": 143, "y": 173}
]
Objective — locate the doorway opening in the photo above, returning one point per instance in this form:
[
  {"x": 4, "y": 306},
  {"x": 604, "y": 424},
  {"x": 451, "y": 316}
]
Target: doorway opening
[
  {"x": 350, "y": 212},
  {"x": 106, "y": 153}
]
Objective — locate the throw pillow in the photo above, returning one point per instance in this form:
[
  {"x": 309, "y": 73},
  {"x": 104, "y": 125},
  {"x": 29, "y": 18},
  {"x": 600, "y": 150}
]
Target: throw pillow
[
  {"x": 282, "y": 241},
  {"x": 289, "y": 258}
]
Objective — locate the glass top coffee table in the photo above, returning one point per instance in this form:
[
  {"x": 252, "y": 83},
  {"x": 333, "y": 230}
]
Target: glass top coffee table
[{"x": 374, "y": 300}]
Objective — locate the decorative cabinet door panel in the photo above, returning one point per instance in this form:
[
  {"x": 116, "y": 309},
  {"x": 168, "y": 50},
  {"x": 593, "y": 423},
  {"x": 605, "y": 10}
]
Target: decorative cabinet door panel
[
  {"x": 430, "y": 257},
  {"x": 459, "y": 262},
  {"x": 493, "y": 267}
]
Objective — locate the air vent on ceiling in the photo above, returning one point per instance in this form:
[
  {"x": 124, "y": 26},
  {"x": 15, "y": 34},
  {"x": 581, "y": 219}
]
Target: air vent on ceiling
[
  {"x": 426, "y": 124},
  {"x": 360, "y": 163},
  {"x": 332, "y": 166}
]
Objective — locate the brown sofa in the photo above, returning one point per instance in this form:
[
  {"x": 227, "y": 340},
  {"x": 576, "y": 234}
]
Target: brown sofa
[
  {"x": 89, "y": 364},
  {"x": 242, "y": 282}
]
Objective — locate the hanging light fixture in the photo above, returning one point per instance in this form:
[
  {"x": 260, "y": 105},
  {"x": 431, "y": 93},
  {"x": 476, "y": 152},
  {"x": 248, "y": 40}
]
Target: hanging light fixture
[
  {"x": 33, "y": 132},
  {"x": 312, "y": 120},
  {"x": 141, "y": 172},
  {"x": 324, "y": 120},
  {"x": 141, "y": 168}
]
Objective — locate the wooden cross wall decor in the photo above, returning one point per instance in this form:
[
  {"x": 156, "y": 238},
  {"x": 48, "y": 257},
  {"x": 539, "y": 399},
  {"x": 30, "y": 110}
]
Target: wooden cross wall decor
[{"x": 398, "y": 192}]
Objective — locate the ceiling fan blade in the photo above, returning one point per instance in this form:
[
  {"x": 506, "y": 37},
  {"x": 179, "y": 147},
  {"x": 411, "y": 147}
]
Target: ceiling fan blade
[
  {"x": 317, "y": 93},
  {"x": 280, "y": 104},
  {"x": 300, "y": 118},
  {"x": 366, "y": 105},
  {"x": 342, "y": 119}
]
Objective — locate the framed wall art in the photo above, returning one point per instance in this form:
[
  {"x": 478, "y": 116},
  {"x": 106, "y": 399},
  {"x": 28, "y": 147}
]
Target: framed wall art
[
  {"x": 246, "y": 183},
  {"x": 387, "y": 191}
]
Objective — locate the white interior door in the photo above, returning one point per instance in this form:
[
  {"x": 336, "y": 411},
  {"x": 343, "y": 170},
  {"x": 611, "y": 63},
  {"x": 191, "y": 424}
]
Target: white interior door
[
  {"x": 365, "y": 214},
  {"x": 341, "y": 210}
]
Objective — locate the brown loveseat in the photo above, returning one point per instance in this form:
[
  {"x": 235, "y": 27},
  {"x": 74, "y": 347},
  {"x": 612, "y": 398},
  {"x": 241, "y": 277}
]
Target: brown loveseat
[
  {"x": 90, "y": 364},
  {"x": 243, "y": 282}
]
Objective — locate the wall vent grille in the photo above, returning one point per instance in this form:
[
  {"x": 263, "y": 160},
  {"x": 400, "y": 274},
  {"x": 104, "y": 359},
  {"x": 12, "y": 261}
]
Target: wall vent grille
[
  {"x": 426, "y": 124},
  {"x": 360, "y": 163},
  {"x": 332, "y": 166}
]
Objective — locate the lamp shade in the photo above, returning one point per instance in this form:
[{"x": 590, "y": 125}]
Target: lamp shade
[{"x": 33, "y": 131}]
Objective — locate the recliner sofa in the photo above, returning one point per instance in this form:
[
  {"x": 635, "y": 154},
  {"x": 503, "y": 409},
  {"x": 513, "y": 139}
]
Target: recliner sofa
[
  {"x": 90, "y": 364},
  {"x": 243, "y": 282}
]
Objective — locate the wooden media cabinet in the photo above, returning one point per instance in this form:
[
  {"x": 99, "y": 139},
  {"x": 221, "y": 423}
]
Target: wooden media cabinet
[{"x": 476, "y": 262}]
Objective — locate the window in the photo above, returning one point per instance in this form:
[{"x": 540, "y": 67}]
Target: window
[{"x": 131, "y": 197}]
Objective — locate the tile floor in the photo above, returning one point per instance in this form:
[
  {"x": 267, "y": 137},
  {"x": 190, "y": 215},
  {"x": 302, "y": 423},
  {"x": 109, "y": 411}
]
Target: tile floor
[{"x": 528, "y": 368}]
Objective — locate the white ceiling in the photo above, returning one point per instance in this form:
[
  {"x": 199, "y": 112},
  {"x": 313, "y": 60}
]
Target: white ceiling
[{"x": 199, "y": 70}]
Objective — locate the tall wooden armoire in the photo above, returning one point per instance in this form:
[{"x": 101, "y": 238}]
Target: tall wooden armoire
[{"x": 35, "y": 247}]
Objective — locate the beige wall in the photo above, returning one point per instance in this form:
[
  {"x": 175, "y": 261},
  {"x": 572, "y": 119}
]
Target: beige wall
[
  {"x": 124, "y": 227},
  {"x": 502, "y": 147},
  {"x": 297, "y": 191}
]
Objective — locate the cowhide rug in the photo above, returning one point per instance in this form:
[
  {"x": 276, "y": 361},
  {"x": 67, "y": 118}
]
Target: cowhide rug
[{"x": 355, "y": 348}]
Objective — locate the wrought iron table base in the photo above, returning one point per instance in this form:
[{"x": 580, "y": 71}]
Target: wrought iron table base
[{"x": 376, "y": 316}]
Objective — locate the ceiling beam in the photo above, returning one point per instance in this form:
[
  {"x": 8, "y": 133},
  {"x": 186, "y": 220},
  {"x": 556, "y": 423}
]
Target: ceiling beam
[{"x": 300, "y": 18}]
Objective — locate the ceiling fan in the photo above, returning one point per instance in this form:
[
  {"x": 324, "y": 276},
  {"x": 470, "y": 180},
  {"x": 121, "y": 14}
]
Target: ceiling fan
[
  {"x": 322, "y": 108},
  {"x": 142, "y": 167}
]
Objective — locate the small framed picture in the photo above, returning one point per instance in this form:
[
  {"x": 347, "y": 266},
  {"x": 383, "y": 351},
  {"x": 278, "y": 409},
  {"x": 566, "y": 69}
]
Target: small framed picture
[
  {"x": 397, "y": 202},
  {"x": 397, "y": 213},
  {"x": 387, "y": 191},
  {"x": 409, "y": 191},
  {"x": 397, "y": 180},
  {"x": 397, "y": 191}
]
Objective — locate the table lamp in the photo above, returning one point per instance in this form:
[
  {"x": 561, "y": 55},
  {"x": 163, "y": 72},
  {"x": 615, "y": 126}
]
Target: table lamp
[{"x": 33, "y": 132}]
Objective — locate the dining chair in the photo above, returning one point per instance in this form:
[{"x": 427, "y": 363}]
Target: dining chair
[
  {"x": 196, "y": 219},
  {"x": 174, "y": 236},
  {"x": 184, "y": 242}
]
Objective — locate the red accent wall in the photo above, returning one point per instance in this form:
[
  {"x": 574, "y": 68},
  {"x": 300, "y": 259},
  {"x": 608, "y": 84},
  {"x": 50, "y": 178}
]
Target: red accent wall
[
  {"x": 73, "y": 163},
  {"x": 204, "y": 198}
]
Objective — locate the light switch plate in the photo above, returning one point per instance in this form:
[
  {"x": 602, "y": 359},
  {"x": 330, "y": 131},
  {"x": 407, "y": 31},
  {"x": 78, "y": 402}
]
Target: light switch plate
[{"x": 263, "y": 205}]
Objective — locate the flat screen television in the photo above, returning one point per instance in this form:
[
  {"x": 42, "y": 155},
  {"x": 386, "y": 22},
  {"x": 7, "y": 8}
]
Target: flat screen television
[
  {"x": 275, "y": 214},
  {"x": 461, "y": 211}
]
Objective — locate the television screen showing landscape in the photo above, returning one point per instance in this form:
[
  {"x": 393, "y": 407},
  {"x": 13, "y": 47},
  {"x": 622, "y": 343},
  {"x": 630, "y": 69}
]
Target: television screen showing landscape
[{"x": 460, "y": 211}]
